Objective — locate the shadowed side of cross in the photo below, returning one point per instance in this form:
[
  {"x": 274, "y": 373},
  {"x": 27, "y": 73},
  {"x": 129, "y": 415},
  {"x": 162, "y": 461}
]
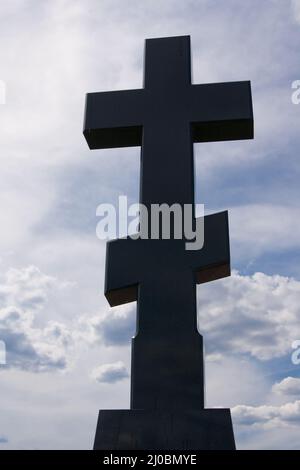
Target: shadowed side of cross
[
  {"x": 165, "y": 118},
  {"x": 162, "y": 275},
  {"x": 130, "y": 262}
]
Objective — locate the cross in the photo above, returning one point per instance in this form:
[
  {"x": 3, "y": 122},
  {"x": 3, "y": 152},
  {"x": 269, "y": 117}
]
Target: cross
[{"x": 165, "y": 117}]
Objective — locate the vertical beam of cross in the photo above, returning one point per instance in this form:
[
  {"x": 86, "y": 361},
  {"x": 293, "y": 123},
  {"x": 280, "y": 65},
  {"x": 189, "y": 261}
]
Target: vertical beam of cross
[{"x": 167, "y": 152}]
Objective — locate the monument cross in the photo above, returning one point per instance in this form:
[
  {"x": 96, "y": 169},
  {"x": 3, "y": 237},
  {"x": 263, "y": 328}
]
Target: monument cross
[{"x": 165, "y": 118}]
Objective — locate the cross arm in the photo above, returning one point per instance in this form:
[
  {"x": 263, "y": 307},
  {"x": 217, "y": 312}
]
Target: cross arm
[
  {"x": 114, "y": 119},
  {"x": 221, "y": 111},
  {"x": 121, "y": 270},
  {"x": 213, "y": 260}
]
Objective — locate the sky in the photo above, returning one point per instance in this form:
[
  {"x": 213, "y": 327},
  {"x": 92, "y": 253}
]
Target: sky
[{"x": 67, "y": 351}]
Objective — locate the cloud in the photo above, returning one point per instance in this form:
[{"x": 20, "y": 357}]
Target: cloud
[
  {"x": 27, "y": 288},
  {"x": 3, "y": 440},
  {"x": 288, "y": 386},
  {"x": 29, "y": 346},
  {"x": 110, "y": 373},
  {"x": 296, "y": 9},
  {"x": 233, "y": 380},
  {"x": 267, "y": 415},
  {"x": 256, "y": 315},
  {"x": 264, "y": 228},
  {"x": 35, "y": 344},
  {"x": 114, "y": 327}
]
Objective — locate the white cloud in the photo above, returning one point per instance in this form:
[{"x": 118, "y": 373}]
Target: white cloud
[
  {"x": 38, "y": 342},
  {"x": 114, "y": 327},
  {"x": 256, "y": 315},
  {"x": 267, "y": 415},
  {"x": 27, "y": 288},
  {"x": 288, "y": 386},
  {"x": 233, "y": 380},
  {"x": 296, "y": 9},
  {"x": 110, "y": 373},
  {"x": 258, "y": 229},
  {"x": 30, "y": 346}
]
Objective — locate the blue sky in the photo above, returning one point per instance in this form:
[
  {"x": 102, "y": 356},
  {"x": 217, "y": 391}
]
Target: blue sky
[{"x": 68, "y": 353}]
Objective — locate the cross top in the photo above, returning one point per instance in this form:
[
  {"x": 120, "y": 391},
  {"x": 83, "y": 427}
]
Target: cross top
[{"x": 165, "y": 117}]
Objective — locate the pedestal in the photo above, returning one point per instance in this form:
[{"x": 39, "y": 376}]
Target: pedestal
[{"x": 206, "y": 429}]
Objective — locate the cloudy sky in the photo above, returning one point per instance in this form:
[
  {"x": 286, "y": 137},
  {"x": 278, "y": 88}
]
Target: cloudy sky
[{"x": 68, "y": 353}]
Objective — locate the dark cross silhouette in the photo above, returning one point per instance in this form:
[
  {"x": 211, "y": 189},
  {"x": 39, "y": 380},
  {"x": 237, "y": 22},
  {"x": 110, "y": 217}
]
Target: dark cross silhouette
[{"x": 165, "y": 118}]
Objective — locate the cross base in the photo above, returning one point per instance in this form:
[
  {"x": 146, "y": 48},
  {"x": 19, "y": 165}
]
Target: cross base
[{"x": 205, "y": 429}]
